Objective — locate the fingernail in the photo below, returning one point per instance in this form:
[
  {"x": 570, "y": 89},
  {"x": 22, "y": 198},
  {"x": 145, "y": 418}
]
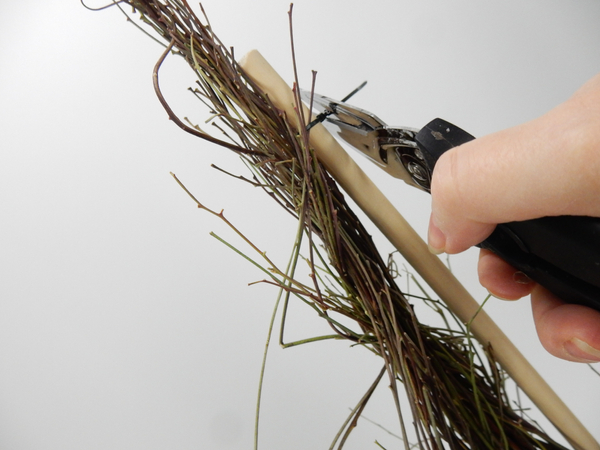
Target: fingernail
[
  {"x": 435, "y": 239},
  {"x": 582, "y": 351},
  {"x": 499, "y": 297},
  {"x": 521, "y": 278}
]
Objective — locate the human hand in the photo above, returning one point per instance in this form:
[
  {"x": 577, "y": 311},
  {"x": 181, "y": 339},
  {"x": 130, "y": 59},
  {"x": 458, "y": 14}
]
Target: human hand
[{"x": 547, "y": 167}]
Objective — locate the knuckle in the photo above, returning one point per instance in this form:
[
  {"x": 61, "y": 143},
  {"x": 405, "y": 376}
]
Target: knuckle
[{"x": 446, "y": 183}]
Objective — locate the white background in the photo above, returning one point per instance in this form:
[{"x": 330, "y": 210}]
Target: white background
[{"x": 123, "y": 324}]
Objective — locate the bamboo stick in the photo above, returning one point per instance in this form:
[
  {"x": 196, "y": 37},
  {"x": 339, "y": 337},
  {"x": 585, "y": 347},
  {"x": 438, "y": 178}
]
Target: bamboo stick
[{"x": 391, "y": 223}]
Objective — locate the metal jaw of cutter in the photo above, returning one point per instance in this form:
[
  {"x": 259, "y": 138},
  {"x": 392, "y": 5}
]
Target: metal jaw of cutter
[{"x": 394, "y": 150}]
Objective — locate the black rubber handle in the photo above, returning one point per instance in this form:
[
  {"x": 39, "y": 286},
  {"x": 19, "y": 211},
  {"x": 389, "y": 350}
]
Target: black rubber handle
[{"x": 560, "y": 253}]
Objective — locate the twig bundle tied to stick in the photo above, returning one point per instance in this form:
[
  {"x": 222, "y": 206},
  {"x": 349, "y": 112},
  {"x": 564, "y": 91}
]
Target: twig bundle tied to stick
[{"x": 453, "y": 384}]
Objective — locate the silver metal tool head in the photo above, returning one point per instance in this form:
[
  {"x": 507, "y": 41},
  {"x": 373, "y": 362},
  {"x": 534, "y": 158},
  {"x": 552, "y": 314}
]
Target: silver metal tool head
[{"x": 393, "y": 149}]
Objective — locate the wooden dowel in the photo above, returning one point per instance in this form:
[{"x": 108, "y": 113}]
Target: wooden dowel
[{"x": 391, "y": 223}]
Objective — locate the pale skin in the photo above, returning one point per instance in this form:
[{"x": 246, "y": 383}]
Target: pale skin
[{"x": 547, "y": 167}]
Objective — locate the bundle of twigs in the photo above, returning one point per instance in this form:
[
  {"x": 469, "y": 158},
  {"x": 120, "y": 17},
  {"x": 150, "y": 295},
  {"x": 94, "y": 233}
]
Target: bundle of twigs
[{"x": 455, "y": 389}]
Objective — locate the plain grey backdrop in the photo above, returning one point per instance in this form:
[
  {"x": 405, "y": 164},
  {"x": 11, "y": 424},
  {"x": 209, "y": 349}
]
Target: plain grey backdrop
[{"x": 123, "y": 324}]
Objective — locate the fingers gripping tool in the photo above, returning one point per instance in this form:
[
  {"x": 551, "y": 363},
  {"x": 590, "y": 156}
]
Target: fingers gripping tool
[{"x": 561, "y": 253}]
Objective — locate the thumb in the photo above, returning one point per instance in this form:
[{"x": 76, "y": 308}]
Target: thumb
[{"x": 547, "y": 167}]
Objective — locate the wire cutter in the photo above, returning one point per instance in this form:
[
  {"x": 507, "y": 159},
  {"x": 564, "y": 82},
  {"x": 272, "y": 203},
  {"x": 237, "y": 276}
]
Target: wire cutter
[{"x": 561, "y": 253}]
